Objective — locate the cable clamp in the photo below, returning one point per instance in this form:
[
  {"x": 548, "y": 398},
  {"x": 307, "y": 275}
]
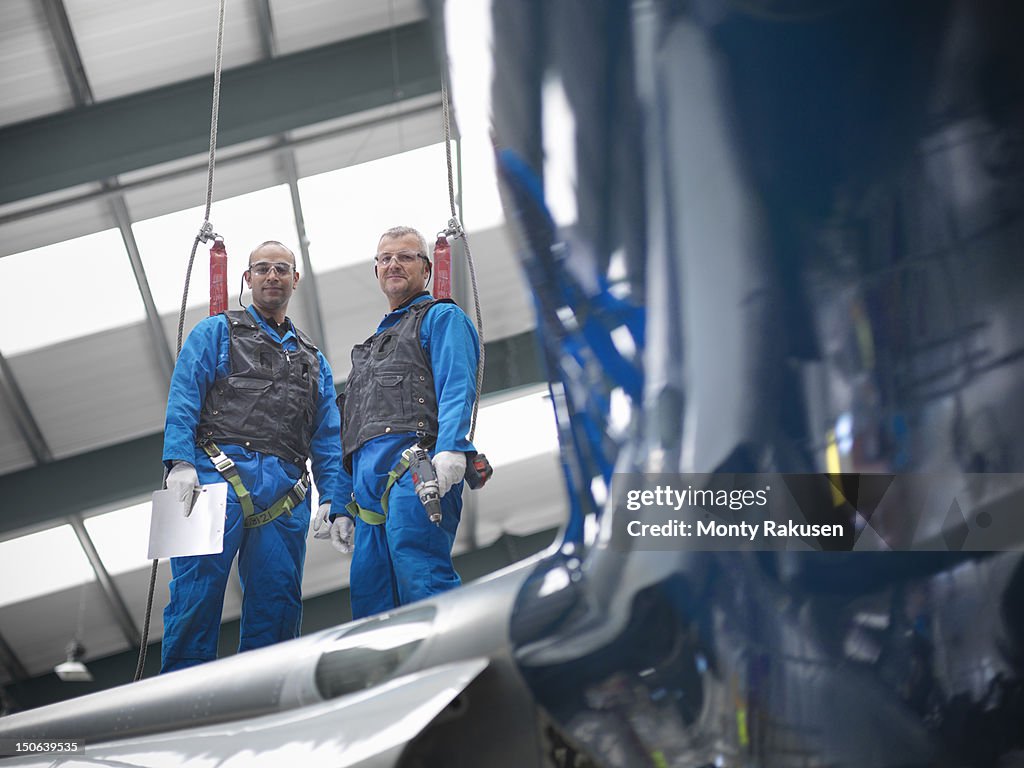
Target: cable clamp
[
  {"x": 206, "y": 233},
  {"x": 454, "y": 228}
]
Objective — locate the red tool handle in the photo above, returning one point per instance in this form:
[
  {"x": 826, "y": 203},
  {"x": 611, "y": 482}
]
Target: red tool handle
[
  {"x": 442, "y": 268},
  {"x": 218, "y": 278}
]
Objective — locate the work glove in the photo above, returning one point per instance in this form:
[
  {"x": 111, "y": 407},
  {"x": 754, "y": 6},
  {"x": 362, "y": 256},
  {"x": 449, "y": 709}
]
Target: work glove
[
  {"x": 343, "y": 531},
  {"x": 183, "y": 482},
  {"x": 449, "y": 466},
  {"x": 340, "y": 532}
]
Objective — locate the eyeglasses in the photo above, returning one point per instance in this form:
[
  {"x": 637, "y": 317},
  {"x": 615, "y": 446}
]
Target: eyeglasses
[
  {"x": 404, "y": 257},
  {"x": 263, "y": 268}
]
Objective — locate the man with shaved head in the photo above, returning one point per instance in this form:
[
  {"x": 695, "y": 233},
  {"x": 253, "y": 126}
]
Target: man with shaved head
[{"x": 251, "y": 400}]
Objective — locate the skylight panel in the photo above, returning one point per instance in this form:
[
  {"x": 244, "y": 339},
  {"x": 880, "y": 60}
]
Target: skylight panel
[
  {"x": 346, "y": 210},
  {"x": 121, "y": 537},
  {"x": 68, "y": 290},
  {"x": 244, "y": 221},
  {"x": 40, "y": 563}
]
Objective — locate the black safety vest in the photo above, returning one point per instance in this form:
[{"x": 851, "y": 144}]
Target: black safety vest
[
  {"x": 391, "y": 386},
  {"x": 268, "y": 401}
]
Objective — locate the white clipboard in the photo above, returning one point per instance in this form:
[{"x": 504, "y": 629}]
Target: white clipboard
[{"x": 171, "y": 534}]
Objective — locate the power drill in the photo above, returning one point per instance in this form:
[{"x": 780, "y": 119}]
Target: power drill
[{"x": 424, "y": 481}]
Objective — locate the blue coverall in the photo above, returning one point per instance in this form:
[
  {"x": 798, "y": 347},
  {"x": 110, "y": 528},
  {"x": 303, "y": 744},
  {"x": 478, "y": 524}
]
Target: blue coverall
[
  {"x": 270, "y": 556},
  {"x": 408, "y": 558}
]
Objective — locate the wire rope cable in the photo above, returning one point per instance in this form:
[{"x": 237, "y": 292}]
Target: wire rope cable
[
  {"x": 206, "y": 230},
  {"x": 455, "y": 228},
  {"x": 205, "y": 233}
]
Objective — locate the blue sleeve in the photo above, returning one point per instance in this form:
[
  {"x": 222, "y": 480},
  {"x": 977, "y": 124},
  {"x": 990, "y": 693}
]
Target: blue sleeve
[
  {"x": 202, "y": 360},
  {"x": 451, "y": 342},
  {"x": 325, "y": 447},
  {"x": 342, "y": 492}
]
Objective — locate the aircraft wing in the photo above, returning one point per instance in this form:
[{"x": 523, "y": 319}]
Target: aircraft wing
[{"x": 368, "y": 729}]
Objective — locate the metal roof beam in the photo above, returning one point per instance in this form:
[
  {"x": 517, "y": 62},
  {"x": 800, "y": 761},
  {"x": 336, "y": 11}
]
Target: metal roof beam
[
  {"x": 11, "y": 663},
  {"x": 310, "y": 287},
  {"x": 67, "y": 50},
  {"x": 290, "y": 171},
  {"x": 74, "y": 72},
  {"x": 108, "y": 138},
  {"x": 114, "y": 599},
  {"x": 161, "y": 347},
  {"x": 27, "y": 424},
  {"x": 224, "y": 158},
  {"x": 57, "y": 19},
  {"x": 265, "y": 25}
]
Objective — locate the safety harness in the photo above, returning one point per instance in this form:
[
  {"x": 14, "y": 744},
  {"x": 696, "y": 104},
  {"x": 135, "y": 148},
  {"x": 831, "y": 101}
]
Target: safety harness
[
  {"x": 376, "y": 518},
  {"x": 252, "y": 518}
]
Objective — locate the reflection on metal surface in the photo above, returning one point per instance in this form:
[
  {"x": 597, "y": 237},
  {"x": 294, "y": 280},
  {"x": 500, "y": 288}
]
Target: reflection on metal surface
[{"x": 371, "y": 652}]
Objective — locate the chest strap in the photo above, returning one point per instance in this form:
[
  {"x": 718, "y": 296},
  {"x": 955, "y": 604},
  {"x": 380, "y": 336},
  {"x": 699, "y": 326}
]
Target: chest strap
[
  {"x": 250, "y": 517},
  {"x": 376, "y": 518}
]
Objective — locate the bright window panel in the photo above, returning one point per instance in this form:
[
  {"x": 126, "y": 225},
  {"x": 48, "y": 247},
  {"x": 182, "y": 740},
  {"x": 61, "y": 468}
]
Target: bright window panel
[
  {"x": 244, "y": 222},
  {"x": 121, "y": 537},
  {"x": 481, "y": 203},
  {"x": 471, "y": 65},
  {"x": 68, "y": 290},
  {"x": 347, "y": 210},
  {"x": 40, "y": 563},
  {"x": 516, "y": 429}
]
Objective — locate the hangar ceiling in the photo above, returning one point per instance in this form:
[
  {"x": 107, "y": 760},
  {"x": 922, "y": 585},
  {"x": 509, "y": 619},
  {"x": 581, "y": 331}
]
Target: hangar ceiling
[{"x": 330, "y": 130}]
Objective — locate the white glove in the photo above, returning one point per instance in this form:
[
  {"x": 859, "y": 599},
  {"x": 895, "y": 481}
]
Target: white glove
[
  {"x": 343, "y": 531},
  {"x": 340, "y": 532},
  {"x": 322, "y": 520},
  {"x": 183, "y": 482},
  {"x": 449, "y": 466}
]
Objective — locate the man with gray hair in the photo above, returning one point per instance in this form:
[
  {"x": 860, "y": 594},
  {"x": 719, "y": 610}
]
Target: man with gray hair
[
  {"x": 251, "y": 399},
  {"x": 412, "y": 382}
]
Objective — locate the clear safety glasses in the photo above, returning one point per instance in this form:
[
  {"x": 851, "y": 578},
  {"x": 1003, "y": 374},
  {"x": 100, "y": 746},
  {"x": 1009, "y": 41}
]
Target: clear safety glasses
[
  {"x": 404, "y": 258},
  {"x": 264, "y": 268}
]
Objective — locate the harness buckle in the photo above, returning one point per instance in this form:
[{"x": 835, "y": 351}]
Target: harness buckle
[
  {"x": 217, "y": 457},
  {"x": 221, "y": 462},
  {"x": 301, "y": 488}
]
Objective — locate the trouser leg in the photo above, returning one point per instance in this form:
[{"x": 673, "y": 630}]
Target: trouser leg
[
  {"x": 193, "y": 613},
  {"x": 270, "y": 565},
  {"x": 421, "y": 552},
  {"x": 371, "y": 577}
]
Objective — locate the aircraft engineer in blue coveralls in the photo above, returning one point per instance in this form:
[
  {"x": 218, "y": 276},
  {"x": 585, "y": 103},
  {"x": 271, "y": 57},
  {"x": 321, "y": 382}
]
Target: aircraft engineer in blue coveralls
[
  {"x": 413, "y": 381},
  {"x": 253, "y": 395}
]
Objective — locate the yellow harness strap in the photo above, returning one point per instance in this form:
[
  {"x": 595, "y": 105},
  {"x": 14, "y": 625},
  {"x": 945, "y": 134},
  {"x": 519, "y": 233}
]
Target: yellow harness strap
[
  {"x": 252, "y": 518},
  {"x": 376, "y": 518}
]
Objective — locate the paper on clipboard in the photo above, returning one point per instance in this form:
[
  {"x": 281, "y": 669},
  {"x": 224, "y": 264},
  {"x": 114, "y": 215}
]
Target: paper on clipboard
[{"x": 171, "y": 534}]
